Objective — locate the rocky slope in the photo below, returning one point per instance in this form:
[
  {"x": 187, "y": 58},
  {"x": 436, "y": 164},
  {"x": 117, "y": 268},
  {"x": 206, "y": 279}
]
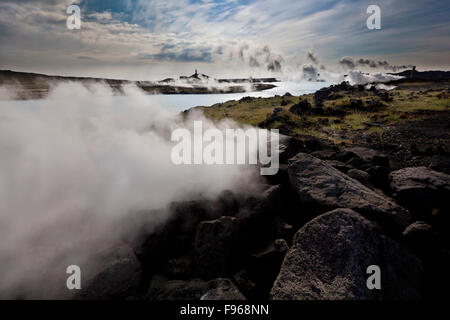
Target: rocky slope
[
  {"x": 311, "y": 234},
  {"x": 331, "y": 213}
]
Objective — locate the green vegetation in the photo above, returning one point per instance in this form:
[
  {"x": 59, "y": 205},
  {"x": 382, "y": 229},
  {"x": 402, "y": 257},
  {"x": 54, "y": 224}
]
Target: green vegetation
[{"x": 342, "y": 114}]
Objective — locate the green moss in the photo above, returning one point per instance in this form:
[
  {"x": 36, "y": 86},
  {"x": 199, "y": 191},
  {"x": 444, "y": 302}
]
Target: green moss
[{"x": 406, "y": 104}]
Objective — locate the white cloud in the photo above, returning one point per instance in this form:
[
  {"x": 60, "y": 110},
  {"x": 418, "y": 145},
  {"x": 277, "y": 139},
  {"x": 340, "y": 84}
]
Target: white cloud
[{"x": 116, "y": 40}]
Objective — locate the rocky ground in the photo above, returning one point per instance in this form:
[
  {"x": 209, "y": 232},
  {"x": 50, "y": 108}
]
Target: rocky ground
[
  {"x": 337, "y": 205},
  {"x": 321, "y": 221}
]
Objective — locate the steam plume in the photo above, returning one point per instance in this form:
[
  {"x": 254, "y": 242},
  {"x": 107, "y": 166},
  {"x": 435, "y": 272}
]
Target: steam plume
[{"x": 73, "y": 168}]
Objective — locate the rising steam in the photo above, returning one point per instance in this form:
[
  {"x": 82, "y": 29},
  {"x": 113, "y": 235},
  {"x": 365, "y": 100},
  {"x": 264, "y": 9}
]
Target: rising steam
[
  {"x": 256, "y": 56},
  {"x": 74, "y": 167},
  {"x": 350, "y": 63}
]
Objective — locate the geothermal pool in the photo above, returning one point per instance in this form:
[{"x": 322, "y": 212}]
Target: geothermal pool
[{"x": 180, "y": 102}]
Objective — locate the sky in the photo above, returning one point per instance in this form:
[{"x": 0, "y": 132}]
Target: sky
[{"x": 149, "y": 40}]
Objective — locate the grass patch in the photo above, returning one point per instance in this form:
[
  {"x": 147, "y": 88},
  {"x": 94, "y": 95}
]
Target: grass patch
[{"x": 403, "y": 104}]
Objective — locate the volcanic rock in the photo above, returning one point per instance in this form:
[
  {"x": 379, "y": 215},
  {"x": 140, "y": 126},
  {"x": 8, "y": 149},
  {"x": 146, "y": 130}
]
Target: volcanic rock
[
  {"x": 330, "y": 256},
  {"x": 325, "y": 188}
]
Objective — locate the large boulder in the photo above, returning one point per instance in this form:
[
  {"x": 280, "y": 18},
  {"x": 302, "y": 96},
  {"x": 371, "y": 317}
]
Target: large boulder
[
  {"x": 162, "y": 288},
  {"x": 301, "y": 108},
  {"x": 330, "y": 256},
  {"x": 365, "y": 157},
  {"x": 257, "y": 224},
  {"x": 290, "y": 146},
  {"x": 321, "y": 95},
  {"x": 421, "y": 239},
  {"x": 216, "y": 247},
  {"x": 421, "y": 189},
  {"x": 117, "y": 277},
  {"x": 220, "y": 243},
  {"x": 324, "y": 188},
  {"x": 264, "y": 265},
  {"x": 175, "y": 236}
]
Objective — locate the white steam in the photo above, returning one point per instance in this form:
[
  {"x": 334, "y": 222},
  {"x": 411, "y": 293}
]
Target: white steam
[
  {"x": 73, "y": 167},
  {"x": 358, "y": 77}
]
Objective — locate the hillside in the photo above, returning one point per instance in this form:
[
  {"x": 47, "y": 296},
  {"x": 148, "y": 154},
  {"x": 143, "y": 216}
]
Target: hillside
[{"x": 346, "y": 115}]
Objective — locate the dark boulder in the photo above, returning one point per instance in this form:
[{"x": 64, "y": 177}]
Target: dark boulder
[
  {"x": 302, "y": 108},
  {"x": 384, "y": 95},
  {"x": 175, "y": 236},
  {"x": 368, "y": 157},
  {"x": 222, "y": 244},
  {"x": 289, "y": 147},
  {"x": 277, "y": 110},
  {"x": 420, "y": 238},
  {"x": 325, "y": 188},
  {"x": 425, "y": 193},
  {"x": 321, "y": 95},
  {"x": 374, "y": 104},
  {"x": 217, "y": 247},
  {"x": 355, "y": 104},
  {"x": 259, "y": 222},
  {"x": 246, "y": 99},
  {"x": 265, "y": 208},
  {"x": 264, "y": 265},
  {"x": 117, "y": 278},
  {"x": 330, "y": 256}
]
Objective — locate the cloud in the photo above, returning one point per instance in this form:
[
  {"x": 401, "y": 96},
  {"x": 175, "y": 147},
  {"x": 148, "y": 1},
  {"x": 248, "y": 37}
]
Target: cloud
[
  {"x": 184, "y": 55},
  {"x": 85, "y": 58},
  {"x": 116, "y": 32}
]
